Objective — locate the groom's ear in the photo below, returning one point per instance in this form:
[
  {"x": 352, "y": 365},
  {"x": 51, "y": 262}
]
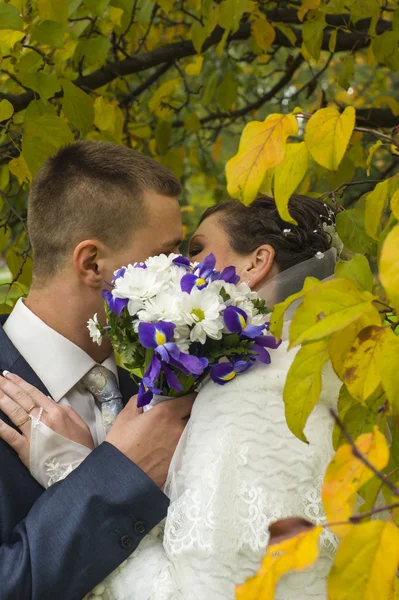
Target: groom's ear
[
  {"x": 262, "y": 260},
  {"x": 89, "y": 263}
]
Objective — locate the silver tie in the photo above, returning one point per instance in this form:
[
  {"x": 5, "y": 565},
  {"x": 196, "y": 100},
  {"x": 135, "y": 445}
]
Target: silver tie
[{"x": 101, "y": 382}]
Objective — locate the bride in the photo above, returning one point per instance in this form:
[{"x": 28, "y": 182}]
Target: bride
[{"x": 238, "y": 467}]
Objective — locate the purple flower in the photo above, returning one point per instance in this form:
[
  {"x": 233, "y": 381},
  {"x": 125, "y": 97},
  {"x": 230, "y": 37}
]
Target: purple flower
[
  {"x": 262, "y": 342},
  {"x": 139, "y": 265},
  {"x": 236, "y": 321},
  {"x": 229, "y": 275},
  {"x": 116, "y": 305},
  {"x": 144, "y": 396},
  {"x": 119, "y": 273},
  {"x": 201, "y": 275},
  {"x": 159, "y": 336},
  {"x": 152, "y": 335},
  {"x": 182, "y": 261},
  {"x": 224, "y": 372}
]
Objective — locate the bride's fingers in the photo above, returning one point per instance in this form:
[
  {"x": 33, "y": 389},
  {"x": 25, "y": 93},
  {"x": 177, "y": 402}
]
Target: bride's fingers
[
  {"x": 18, "y": 442},
  {"x": 23, "y": 393},
  {"x": 15, "y": 412}
]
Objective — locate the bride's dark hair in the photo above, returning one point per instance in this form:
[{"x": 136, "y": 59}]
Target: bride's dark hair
[{"x": 248, "y": 227}]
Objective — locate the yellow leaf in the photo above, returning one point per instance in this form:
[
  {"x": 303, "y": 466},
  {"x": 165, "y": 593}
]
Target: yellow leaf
[
  {"x": 389, "y": 370},
  {"x": 194, "y": 68},
  {"x": 312, "y": 35},
  {"x": 42, "y": 136},
  {"x": 296, "y": 553},
  {"x": 389, "y": 266},
  {"x": 366, "y": 562},
  {"x": 53, "y": 10},
  {"x": 327, "y": 308},
  {"x": 263, "y": 33},
  {"x": 279, "y": 310},
  {"x": 6, "y": 110},
  {"x": 372, "y": 150},
  {"x": 394, "y": 204},
  {"x": 362, "y": 365},
  {"x": 266, "y": 187},
  {"x": 162, "y": 95},
  {"x": 341, "y": 342},
  {"x": 375, "y": 204},
  {"x": 288, "y": 175},
  {"x": 306, "y": 6},
  {"x": 262, "y": 147},
  {"x": 20, "y": 169},
  {"x": 217, "y": 149},
  {"x": 8, "y": 39},
  {"x": 327, "y": 135},
  {"x": 115, "y": 15},
  {"x": 303, "y": 386},
  {"x": 346, "y": 474}
]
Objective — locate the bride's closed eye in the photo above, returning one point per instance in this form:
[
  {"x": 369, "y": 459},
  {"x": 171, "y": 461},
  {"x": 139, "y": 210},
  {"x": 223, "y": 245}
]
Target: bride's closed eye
[{"x": 194, "y": 250}]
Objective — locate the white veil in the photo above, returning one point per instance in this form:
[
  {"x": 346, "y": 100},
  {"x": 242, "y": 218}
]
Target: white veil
[{"x": 291, "y": 281}]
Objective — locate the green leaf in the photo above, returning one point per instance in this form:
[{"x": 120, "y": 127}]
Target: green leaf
[
  {"x": 38, "y": 108},
  {"x": 53, "y": 10},
  {"x": 303, "y": 386},
  {"x": 50, "y": 33},
  {"x": 357, "y": 269},
  {"x": 42, "y": 136},
  {"x": 145, "y": 10},
  {"x": 163, "y": 134},
  {"x": 312, "y": 34},
  {"x": 198, "y": 36},
  {"x": 10, "y": 17},
  {"x": 6, "y": 110},
  {"x": 192, "y": 122},
  {"x": 19, "y": 266},
  {"x": 209, "y": 89},
  {"x": 287, "y": 31},
  {"x": 227, "y": 91},
  {"x": 97, "y": 7},
  {"x": 44, "y": 84},
  {"x": 230, "y": 14},
  {"x": 346, "y": 70},
  {"x": 350, "y": 227},
  {"x": 385, "y": 49},
  {"x": 4, "y": 181},
  {"x": 78, "y": 107},
  {"x": 94, "y": 51},
  {"x": 29, "y": 62}
]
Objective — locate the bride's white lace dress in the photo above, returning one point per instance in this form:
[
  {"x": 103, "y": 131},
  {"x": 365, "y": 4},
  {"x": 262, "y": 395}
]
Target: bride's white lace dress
[{"x": 236, "y": 469}]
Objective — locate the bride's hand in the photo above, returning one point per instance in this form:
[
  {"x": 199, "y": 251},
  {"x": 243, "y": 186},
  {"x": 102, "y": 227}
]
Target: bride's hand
[{"x": 21, "y": 402}]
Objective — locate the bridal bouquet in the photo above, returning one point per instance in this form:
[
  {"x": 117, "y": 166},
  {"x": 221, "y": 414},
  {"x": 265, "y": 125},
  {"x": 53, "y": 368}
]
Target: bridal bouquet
[{"x": 175, "y": 322}]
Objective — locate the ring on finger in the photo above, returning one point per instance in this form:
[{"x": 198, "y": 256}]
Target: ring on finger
[
  {"x": 31, "y": 408},
  {"x": 23, "y": 422}
]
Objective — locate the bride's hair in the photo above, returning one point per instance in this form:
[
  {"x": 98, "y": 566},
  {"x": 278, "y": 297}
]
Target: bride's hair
[{"x": 249, "y": 227}]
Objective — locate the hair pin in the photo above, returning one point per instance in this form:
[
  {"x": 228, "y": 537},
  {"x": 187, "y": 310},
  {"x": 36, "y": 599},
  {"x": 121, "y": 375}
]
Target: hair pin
[
  {"x": 319, "y": 255},
  {"x": 286, "y": 231}
]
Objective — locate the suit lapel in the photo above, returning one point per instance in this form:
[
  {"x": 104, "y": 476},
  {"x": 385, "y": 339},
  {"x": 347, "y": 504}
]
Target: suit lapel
[{"x": 127, "y": 386}]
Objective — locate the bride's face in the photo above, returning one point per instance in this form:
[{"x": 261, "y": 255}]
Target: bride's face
[{"x": 210, "y": 237}]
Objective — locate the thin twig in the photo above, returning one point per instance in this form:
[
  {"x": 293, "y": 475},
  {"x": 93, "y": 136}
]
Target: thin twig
[{"x": 356, "y": 452}]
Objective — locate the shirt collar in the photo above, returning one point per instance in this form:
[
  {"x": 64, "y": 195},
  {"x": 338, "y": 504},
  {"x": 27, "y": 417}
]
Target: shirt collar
[{"x": 57, "y": 361}]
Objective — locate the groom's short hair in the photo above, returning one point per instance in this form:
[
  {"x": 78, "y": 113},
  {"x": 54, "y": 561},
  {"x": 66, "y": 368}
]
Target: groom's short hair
[{"x": 90, "y": 190}]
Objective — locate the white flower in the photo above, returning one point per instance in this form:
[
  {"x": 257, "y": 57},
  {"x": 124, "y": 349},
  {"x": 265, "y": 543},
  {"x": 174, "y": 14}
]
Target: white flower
[
  {"x": 161, "y": 262},
  {"x": 137, "y": 285},
  {"x": 202, "y": 309},
  {"x": 95, "y": 333},
  {"x": 182, "y": 338},
  {"x": 165, "y": 306}
]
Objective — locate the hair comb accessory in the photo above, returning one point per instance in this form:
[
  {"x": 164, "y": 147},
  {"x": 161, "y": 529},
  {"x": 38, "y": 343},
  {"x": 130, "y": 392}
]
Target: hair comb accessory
[{"x": 286, "y": 231}]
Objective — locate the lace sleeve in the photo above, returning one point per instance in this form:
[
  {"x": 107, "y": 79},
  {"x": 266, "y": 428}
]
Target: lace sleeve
[{"x": 52, "y": 456}]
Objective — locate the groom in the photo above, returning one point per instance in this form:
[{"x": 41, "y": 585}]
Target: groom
[{"x": 93, "y": 207}]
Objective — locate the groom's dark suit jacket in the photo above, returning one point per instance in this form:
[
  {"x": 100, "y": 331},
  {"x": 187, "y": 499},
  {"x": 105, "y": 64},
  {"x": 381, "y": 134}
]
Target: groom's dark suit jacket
[{"x": 62, "y": 542}]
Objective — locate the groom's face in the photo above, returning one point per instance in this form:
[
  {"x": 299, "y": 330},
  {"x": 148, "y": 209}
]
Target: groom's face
[{"x": 161, "y": 232}]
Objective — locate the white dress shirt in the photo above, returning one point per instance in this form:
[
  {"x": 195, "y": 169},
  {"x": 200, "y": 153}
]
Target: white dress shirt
[{"x": 59, "y": 363}]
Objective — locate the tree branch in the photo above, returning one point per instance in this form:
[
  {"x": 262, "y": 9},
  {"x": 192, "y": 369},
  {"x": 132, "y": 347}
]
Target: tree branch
[
  {"x": 346, "y": 41},
  {"x": 126, "y": 100}
]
